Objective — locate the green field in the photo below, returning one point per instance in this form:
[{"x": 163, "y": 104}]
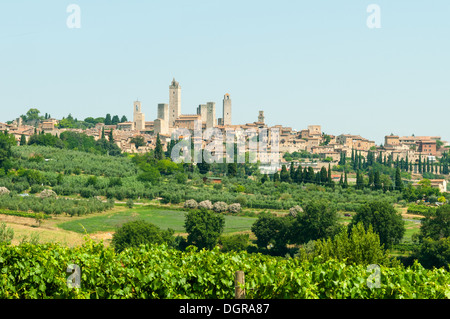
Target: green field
[{"x": 160, "y": 217}]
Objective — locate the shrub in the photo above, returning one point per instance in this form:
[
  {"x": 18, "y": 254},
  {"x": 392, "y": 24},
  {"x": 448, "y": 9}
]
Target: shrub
[
  {"x": 205, "y": 205},
  {"x": 234, "y": 208},
  {"x": 130, "y": 203},
  {"x": 139, "y": 232},
  {"x": 220, "y": 207},
  {"x": 36, "y": 189},
  {"x": 294, "y": 211},
  {"x": 4, "y": 191},
  {"x": 191, "y": 204},
  {"x": 234, "y": 242},
  {"x": 241, "y": 199},
  {"x": 46, "y": 193},
  {"x": 6, "y": 234}
]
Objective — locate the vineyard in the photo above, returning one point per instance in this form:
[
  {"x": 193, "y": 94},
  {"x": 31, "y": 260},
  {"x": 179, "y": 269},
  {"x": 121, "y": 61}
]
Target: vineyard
[{"x": 39, "y": 271}]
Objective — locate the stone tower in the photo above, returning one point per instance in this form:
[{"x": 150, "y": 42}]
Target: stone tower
[
  {"x": 202, "y": 111},
  {"x": 161, "y": 124},
  {"x": 210, "y": 114},
  {"x": 226, "y": 118},
  {"x": 174, "y": 102},
  {"x": 138, "y": 116},
  {"x": 261, "y": 117}
]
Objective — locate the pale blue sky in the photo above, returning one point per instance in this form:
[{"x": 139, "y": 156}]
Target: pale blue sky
[{"x": 302, "y": 62}]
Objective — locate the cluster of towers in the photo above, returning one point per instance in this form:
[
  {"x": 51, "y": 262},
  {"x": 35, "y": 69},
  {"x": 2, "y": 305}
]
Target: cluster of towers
[{"x": 169, "y": 115}]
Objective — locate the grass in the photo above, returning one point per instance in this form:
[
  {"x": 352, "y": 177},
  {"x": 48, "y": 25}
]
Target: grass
[{"x": 163, "y": 218}]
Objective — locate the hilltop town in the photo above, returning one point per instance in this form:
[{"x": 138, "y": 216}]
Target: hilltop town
[{"x": 139, "y": 135}]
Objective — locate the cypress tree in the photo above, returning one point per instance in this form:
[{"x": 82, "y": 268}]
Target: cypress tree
[
  {"x": 23, "y": 140},
  {"x": 358, "y": 180},
  {"x": 420, "y": 164},
  {"x": 159, "y": 154},
  {"x": 323, "y": 177},
  {"x": 398, "y": 180},
  {"x": 108, "y": 120},
  {"x": 284, "y": 175},
  {"x": 310, "y": 177},
  {"x": 445, "y": 170},
  {"x": 376, "y": 180},
  {"x": 298, "y": 174},
  {"x": 276, "y": 177},
  {"x": 330, "y": 180},
  {"x": 345, "y": 180},
  {"x": 264, "y": 178},
  {"x": 360, "y": 161},
  {"x": 292, "y": 172},
  {"x": 370, "y": 183}
]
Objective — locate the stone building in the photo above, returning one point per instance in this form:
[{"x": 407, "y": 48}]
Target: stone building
[
  {"x": 226, "y": 117},
  {"x": 210, "y": 115},
  {"x": 174, "y": 102},
  {"x": 138, "y": 116}
]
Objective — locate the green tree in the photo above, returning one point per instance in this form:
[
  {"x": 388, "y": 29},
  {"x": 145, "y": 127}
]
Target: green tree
[
  {"x": 356, "y": 246},
  {"x": 359, "y": 180},
  {"x": 434, "y": 253},
  {"x": 276, "y": 177},
  {"x": 377, "y": 180},
  {"x": 398, "y": 180},
  {"x": 204, "y": 228},
  {"x": 108, "y": 120},
  {"x": 23, "y": 140},
  {"x": 32, "y": 115},
  {"x": 237, "y": 242},
  {"x": 115, "y": 120},
  {"x": 298, "y": 177},
  {"x": 318, "y": 220},
  {"x": 345, "y": 185},
  {"x": 264, "y": 178},
  {"x": 323, "y": 176},
  {"x": 7, "y": 141},
  {"x": 138, "y": 141},
  {"x": 140, "y": 232},
  {"x": 149, "y": 174},
  {"x": 159, "y": 153},
  {"x": 272, "y": 231},
  {"x": 385, "y": 220},
  {"x": 292, "y": 172},
  {"x": 6, "y": 234},
  {"x": 203, "y": 167},
  {"x": 310, "y": 176},
  {"x": 231, "y": 169},
  {"x": 437, "y": 225},
  {"x": 284, "y": 174}
]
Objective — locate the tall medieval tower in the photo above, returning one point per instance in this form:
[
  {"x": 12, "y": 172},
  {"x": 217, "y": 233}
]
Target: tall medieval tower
[
  {"x": 174, "y": 102},
  {"x": 138, "y": 116},
  {"x": 226, "y": 110}
]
